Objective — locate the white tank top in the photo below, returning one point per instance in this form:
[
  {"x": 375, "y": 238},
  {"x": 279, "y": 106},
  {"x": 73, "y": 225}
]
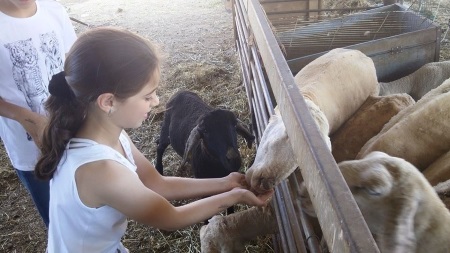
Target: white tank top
[{"x": 74, "y": 227}]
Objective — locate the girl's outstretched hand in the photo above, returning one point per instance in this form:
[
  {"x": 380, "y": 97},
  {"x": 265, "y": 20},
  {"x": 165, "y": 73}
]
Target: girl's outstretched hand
[
  {"x": 249, "y": 198},
  {"x": 236, "y": 179}
]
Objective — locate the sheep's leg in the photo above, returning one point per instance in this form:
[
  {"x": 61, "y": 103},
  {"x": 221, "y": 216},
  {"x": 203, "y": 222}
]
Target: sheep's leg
[
  {"x": 159, "y": 154},
  {"x": 163, "y": 143},
  {"x": 230, "y": 233}
]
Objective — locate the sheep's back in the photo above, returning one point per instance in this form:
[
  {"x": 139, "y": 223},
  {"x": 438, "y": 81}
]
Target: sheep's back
[
  {"x": 418, "y": 133},
  {"x": 338, "y": 82},
  {"x": 365, "y": 123},
  {"x": 184, "y": 111}
]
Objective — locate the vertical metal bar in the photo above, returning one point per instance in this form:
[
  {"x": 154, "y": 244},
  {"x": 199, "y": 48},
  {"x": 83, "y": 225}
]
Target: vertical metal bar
[
  {"x": 284, "y": 224},
  {"x": 259, "y": 94},
  {"x": 310, "y": 237},
  {"x": 295, "y": 228},
  {"x": 264, "y": 85}
]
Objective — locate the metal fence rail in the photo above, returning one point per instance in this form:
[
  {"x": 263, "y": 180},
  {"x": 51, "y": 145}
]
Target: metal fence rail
[{"x": 268, "y": 80}]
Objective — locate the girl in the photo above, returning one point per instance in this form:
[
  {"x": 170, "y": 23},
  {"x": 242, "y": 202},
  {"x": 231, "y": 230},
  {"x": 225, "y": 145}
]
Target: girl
[{"x": 98, "y": 177}]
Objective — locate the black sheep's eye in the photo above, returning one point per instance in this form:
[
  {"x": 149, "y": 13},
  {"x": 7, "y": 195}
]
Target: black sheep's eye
[{"x": 202, "y": 131}]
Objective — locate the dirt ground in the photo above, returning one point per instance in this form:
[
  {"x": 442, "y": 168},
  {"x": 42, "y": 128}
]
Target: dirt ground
[{"x": 196, "y": 40}]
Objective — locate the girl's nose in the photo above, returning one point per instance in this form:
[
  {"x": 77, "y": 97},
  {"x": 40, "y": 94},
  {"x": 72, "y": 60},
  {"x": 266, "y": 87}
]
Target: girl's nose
[{"x": 155, "y": 101}]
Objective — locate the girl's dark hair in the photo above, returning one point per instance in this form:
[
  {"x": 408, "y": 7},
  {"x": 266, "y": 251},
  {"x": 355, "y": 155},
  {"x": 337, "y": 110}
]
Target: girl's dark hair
[{"x": 102, "y": 60}]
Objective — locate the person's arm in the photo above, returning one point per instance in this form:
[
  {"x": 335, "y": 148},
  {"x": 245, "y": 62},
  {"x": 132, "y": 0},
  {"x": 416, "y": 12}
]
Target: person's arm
[
  {"x": 177, "y": 188},
  {"x": 110, "y": 183},
  {"x": 33, "y": 123}
]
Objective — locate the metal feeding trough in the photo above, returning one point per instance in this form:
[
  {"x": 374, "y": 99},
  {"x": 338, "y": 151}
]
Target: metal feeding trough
[{"x": 398, "y": 41}]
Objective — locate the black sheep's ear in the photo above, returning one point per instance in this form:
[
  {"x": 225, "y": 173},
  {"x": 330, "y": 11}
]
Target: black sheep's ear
[
  {"x": 242, "y": 130},
  {"x": 191, "y": 144}
]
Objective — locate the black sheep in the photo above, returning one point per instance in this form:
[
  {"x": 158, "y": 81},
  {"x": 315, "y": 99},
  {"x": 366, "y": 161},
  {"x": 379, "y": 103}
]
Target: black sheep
[{"x": 204, "y": 136}]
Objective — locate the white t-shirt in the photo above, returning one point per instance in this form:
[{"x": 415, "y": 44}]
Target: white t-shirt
[
  {"x": 32, "y": 50},
  {"x": 74, "y": 227}
]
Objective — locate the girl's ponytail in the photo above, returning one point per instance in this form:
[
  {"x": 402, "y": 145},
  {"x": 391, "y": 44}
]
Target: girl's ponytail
[{"x": 66, "y": 114}]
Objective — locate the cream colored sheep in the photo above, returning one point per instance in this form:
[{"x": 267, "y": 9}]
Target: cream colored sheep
[
  {"x": 401, "y": 208},
  {"x": 419, "y": 133},
  {"x": 325, "y": 83},
  {"x": 365, "y": 123},
  {"x": 338, "y": 82},
  {"x": 417, "y": 84}
]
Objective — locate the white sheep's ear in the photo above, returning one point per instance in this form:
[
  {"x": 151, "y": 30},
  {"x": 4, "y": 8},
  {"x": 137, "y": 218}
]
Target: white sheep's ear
[
  {"x": 191, "y": 144},
  {"x": 374, "y": 179}
]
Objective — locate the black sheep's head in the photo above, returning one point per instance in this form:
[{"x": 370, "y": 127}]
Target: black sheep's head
[{"x": 216, "y": 132}]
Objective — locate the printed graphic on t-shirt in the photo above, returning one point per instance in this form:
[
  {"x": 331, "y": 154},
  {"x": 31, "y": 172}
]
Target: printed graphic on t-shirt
[
  {"x": 27, "y": 74},
  {"x": 50, "y": 47}
]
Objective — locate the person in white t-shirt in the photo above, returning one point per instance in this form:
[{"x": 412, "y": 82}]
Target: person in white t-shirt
[
  {"x": 98, "y": 176},
  {"x": 34, "y": 37}
]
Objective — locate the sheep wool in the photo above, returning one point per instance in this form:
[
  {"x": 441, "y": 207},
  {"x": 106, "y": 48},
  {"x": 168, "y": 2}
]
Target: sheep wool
[
  {"x": 326, "y": 81},
  {"x": 365, "y": 123},
  {"x": 418, "y": 133}
]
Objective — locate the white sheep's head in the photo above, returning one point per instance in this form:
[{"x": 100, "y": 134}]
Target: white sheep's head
[{"x": 274, "y": 159}]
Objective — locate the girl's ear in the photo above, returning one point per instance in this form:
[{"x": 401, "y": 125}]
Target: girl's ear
[{"x": 106, "y": 102}]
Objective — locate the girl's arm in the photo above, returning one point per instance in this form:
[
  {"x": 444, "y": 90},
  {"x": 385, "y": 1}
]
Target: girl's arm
[
  {"x": 109, "y": 183},
  {"x": 177, "y": 188}
]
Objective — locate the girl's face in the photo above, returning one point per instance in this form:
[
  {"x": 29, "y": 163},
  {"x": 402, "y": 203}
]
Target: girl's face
[{"x": 131, "y": 112}]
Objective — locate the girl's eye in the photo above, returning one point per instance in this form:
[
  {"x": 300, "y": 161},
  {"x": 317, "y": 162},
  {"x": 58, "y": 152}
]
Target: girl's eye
[{"x": 150, "y": 97}]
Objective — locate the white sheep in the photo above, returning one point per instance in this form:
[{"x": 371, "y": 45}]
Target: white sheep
[
  {"x": 399, "y": 205},
  {"x": 417, "y": 84},
  {"x": 338, "y": 82},
  {"x": 325, "y": 85}
]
